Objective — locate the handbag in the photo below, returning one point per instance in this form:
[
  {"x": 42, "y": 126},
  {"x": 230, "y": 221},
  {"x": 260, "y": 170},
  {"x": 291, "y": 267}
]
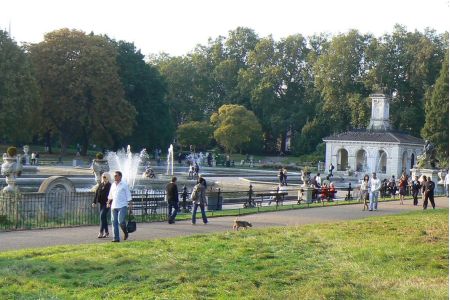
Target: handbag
[{"x": 131, "y": 224}]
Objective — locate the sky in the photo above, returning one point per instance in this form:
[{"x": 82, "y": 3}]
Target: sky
[{"x": 177, "y": 26}]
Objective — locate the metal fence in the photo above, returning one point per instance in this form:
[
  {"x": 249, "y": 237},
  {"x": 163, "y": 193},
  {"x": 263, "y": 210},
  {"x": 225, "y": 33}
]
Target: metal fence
[{"x": 21, "y": 211}]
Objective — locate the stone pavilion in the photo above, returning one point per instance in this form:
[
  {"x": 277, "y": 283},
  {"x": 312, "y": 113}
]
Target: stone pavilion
[{"x": 376, "y": 149}]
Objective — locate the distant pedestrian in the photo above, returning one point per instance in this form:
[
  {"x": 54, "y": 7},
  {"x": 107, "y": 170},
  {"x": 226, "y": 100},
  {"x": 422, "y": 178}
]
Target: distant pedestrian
[
  {"x": 33, "y": 158},
  {"x": 101, "y": 197},
  {"x": 172, "y": 200},
  {"x": 285, "y": 176},
  {"x": 280, "y": 176},
  {"x": 392, "y": 187},
  {"x": 330, "y": 170},
  {"x": 415, "y": 187},
  {"x": 375, "y": 186},
  {"x": 423, "y": 187},
  {"x": 118, "y": 198},
  {"x": 198, "y": 198},
  {"x": 402, "y": 187},
  {"x": 429, "y": 193},
  {"x": 364, "y": 190},
  {"x": 196, "y": 170}
]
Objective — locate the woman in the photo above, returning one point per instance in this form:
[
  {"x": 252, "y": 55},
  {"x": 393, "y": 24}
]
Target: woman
[
  {"x": 423, "y": 186},
  {"x": 402, "y": 187},
  {"x": 198, "y": 198},
  {"x": 364, "y": 196},
  {"x": 101, "y": 197}
]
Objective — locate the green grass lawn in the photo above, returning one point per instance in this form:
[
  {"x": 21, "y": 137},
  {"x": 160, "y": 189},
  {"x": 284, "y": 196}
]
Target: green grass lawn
[{"x": 393, "y": 257}]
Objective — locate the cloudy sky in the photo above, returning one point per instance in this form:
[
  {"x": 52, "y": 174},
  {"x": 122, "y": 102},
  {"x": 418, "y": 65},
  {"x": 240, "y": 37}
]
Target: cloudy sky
[{"x": 176, "y": 26}]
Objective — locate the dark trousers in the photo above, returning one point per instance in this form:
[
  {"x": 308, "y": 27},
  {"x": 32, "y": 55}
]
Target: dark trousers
[
  {"x": 415, "y": 194},
  {"x": 428, "y": 196},
  {"x": 104, "y": 211},
  {"x": 173, "y": 210}
]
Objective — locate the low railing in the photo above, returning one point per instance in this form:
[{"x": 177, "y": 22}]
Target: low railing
[{"x": 21, "y": 211}]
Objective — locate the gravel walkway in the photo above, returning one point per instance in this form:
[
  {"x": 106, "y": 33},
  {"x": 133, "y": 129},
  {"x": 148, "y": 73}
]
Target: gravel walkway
[{"x": 147, "y": 231}]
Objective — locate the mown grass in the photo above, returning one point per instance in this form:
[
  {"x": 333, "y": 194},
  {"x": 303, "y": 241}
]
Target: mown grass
[{"x": 393, "y": 257}]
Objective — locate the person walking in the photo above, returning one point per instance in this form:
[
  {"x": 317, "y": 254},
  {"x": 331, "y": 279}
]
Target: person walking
[
  {"x": 285, "y": 176},
  {"x": 446, "y": 183},
  {"x": 375, "y": 186},
  {"x": 172, "y": 199},
  {"x": 402, "y": 187},
  {"x": 423, "y": 187},
  {"x": 364, "y": 190},
  {"x": 101, "y": 197},
  {"x": 118, "y": 198},
  {"x": 198, "y": 198},
  {"x": 429, "y": 193},
  {"x": 330, "y": 170},
  {"x": 415, "y": 187}
]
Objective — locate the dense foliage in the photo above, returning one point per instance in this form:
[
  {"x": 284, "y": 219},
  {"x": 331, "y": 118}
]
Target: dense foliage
[{"x": 95, "y": 90}]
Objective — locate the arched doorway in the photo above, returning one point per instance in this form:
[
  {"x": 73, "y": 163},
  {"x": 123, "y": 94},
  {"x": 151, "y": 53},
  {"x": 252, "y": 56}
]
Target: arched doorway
[
  {"x": 404, "y": 161},
  {"x": 342, "y": 160},
  {"x": 361, "y": 161},
  {"x": 381, "y": 162}
]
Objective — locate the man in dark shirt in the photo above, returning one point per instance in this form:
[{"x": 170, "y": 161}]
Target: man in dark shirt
[
  {"x": 172, "y": 199},
  {"x": 429, "y": 193}
]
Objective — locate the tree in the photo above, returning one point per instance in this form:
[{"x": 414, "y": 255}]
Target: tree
[
  {"x": 198, "y": 134},
  {"x": 145, "y": 90},
  {"x": 235, "y": 126},
  {"x": 436, "y": 114},
  {"x": 19, "y": 98},
  {"x": 80, "y": 88},
  {"x": 339, "y": 76}
]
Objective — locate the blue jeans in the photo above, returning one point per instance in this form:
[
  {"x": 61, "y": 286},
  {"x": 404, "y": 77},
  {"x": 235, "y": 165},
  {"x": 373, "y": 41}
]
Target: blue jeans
[
  {"x": 194, "y": 213},
  {"x": 373, "y": 201},
  {"x": 118, "y": 216},
  {"x": 172, "y": 214},
  {"x": 104, "y": 218}
]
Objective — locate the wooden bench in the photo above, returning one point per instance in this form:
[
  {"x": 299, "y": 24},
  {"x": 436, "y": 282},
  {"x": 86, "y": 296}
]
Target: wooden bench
[
  {"x": 278, "y": 197},
  {"x": 146, "y": 205}
]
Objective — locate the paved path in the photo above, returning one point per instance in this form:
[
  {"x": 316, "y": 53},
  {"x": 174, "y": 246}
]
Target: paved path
[{"x": 148, "y": 231}]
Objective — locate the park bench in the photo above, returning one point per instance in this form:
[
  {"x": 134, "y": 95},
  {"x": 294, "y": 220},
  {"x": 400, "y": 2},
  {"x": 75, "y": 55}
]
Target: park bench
[
  {"x": 278, "y": 197},
  {"x": 145, "y": 204}
]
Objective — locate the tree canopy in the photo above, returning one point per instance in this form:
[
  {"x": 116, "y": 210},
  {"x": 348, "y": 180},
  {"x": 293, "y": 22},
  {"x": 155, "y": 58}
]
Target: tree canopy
[
  {"x": 235, "y": 126},
  {"x": 19, "y": 99},
  {"x": 80, "y": 88}
]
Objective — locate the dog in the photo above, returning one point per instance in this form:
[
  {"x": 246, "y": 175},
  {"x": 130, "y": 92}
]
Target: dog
[{"x": 238, "y": 224}]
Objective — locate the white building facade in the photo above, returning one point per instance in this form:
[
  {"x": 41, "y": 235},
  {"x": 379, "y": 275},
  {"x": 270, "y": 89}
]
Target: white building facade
[{"x": 377, "y": 149}]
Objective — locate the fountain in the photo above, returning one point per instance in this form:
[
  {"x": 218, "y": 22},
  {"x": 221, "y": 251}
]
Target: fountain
[
  {"x": 170, "y": 161},
  {"x": 125, "y": 162}
]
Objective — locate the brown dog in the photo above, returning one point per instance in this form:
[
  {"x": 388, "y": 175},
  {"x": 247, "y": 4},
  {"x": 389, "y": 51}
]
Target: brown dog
[{"x": 238, "y": 224}]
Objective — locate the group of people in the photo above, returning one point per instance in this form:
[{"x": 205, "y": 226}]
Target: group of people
[
  {"x": 323, "y": 190},
  {"x": 113, "y": 197},
  {"x": 193, "y": 170},
  {"x": 370, "y": 189},
  {"x": 198, "y": 198},
  {"x": 282, "y": 176}
]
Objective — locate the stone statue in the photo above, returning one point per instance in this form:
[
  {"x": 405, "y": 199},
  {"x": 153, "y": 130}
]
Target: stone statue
[{"x": 428, "y": 158}]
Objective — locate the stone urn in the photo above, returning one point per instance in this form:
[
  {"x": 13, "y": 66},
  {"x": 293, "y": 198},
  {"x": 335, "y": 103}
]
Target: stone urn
[
  {"x": 99, "y": 166},
  {"x": 11, "y": 168}
]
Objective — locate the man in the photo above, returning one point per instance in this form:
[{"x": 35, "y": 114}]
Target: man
[
  {"x": 172, "y": 199},
  {"x": 375, "y": 186},
  {"x": 330, "y": 170},
  {"x": 429, "y": 193},
  {"x": 118, "y": 198}
]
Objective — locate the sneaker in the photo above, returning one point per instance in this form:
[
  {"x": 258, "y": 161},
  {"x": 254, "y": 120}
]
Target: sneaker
[
  {"x": 115, "y": 241},
  {"x": 100, "y": 235},
  {"x": 193, "y": 223},
  {"x": 106, "y": 235}
]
